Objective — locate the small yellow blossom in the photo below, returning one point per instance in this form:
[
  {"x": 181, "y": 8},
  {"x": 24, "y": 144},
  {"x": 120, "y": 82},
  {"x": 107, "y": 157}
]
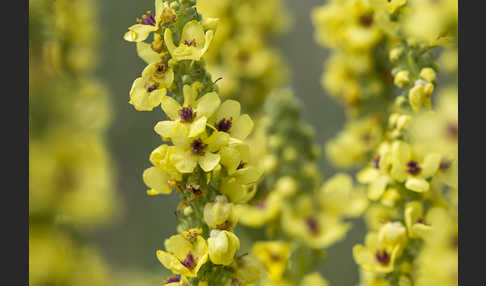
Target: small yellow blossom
[
  {"x": 428, "y": 74},
  {"x": 183, "y": 256},
  {"x": 415, "y": 220},
  {"x": 374, "y": 256},
  {"x": 402, "y": 78},
  {"x": 261, "y": 211},
  {"x": 393, "y": 234},
  {"x": 220, "y": 214},
  {"x": 193, "y": 44},
  {"x": 274, "y": 255},
  {"x": 228, "y": 119},
  {"x": 139, "y": 32},
  {"x": 420, "y": 94}
]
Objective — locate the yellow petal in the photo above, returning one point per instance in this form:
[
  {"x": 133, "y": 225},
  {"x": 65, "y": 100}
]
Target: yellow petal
[
  {"x": 146, "y": 53},
  {"x": 193, "y": 30},
  {"x": 417, "y": 185},
  {"x": 209, "y": 161},
  {"x": 208, "y": 104},
  {"x": 229, "y": 109},
  {"x": 197, "y": 127},
  {"x": 430, "y": 165},
  {"x": 156, "y": 180},
  {"x": 165, "y": 128},
  {"x": 241, "y": 127},
  {"x": 171, "y": 107}
]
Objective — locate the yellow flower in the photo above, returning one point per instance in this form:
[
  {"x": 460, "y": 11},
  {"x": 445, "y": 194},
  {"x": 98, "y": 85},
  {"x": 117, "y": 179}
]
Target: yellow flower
[
  {"x": 248, "y": 269},
  {"x": 228, "y": 119},
  {"x": 316, "y": 229},
  {"x": 193, "y": 44},
  {"x": 374, "y": 256},
  {"x": 146, "y": 94},
  {"x": 220, "y": 214},
  {"x": 428, "y": 74},
  {"x": 193, "y": 114},
  {"x": 161, "y": 157},
  {"x": 184, "y": 256},
  {"x": 222, "y": 246},
  {"x": 157, "y": 181},
  {"x": 393, "y": 234},
  {"x": 378, "y": 215},
  {"x": 201, "y": 150},
  {"x": 420, "y": 94},
  {"x": 337, "y": 197},
  {"x": 139, "y": 32},
  {"x": 261, "y": 211},
  {"x": 314, "y": 279},
  {"x": 415, "y": 221},
  {"x": 274, "y": 255},
  {"x": 409, "y": 169}
]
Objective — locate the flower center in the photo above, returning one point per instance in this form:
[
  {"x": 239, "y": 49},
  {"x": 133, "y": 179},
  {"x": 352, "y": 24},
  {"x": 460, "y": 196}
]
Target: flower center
[
  {"x": 422, "y": 221},
  {"x": 445, "y": 164},
  {"x": 198, "y": 147},
  {"x": 191, "y": 43},
  {"x": 312, "y": 225},
  {"x": 224, "y": 125},
  {"x": 152, "y": 87},
  {"x": 376, "y": 162},
  {"x": 382, "y": 257},
  {"x": 172, "y": 279},
  {"x": 161, "y": 69},
  {"x": 241, "y": 165},
  {"x": 147, "y": 19},
  {"x": 413, "y": 168},
  {"x": 189, "y": 261},
  {"x": 187, "y": 114},
  {"x": 366, "y": 20},
  {"x": 452, "y": 130}
]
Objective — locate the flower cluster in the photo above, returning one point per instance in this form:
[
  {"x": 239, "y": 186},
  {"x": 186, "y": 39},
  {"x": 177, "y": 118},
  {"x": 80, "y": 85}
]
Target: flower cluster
[
  {"x": 207, "y": 160},
  {"x": 69, "y": 165},
  {"x": 384, "y": 69},
  {"x": 297, "y": 214},
  {"x": 241, "y": 55}
]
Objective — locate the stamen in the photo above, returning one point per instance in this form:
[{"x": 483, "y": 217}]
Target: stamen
[
  {"x": 191, "y": 43},
  {"x": 444, "y": 165},
  {"x": 413, "y": 168},
  {"x": 172, "y": 279},
  {"x": 312, "y": 225},
  {"x": 241, "y": 165},
  {"x": 152, "y": 87},
  {"x": 224, "y": 125},
  {"x": 376, "y": 162},
  {"x": 198, "y": 147},
  {"x": 189, "y": 262},
  {"x": 382, "y": 257},
  {"x": 147, "y": 19},
  {"x": 187, "y": 114}
]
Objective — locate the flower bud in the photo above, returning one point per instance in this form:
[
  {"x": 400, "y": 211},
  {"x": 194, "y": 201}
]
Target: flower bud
[
  {"x": 420, "y": 94},
  {"x": 222, "y": 246},
  {"x": 220, "y": 214},
  {"x": 428, "y": 74},
  {"x": 402, "y": 78}
]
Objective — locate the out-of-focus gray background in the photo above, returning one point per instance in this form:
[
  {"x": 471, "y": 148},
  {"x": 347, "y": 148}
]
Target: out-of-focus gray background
[{"x": 144, "y": 222}]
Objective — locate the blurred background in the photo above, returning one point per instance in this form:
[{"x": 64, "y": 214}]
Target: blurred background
[{"x": 143, "y": 222}]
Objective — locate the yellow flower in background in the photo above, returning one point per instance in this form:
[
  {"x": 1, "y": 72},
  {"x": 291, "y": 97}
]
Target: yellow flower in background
[
  {"x": 314, "y": 228},
  {"x": 248, "y": 269},
  {"x": 375, "y": 256},
  {"x": 411, "y": 170},
  {"x": 378, "y": 215},
  {"x": 148, "y": 24},
  {"x": 222, "y": 246},
  {"x": 228, "y": 119},
  {"x": 192, "y": 115},
  {"x": 393, "y": 234},
  {"x": 193, "y": 44},
  {"x": 184, "y": 256},
  {"x": 261, "y": 211},
  {"x": 274, "y": 255},
  {"x": 338, "y": 197},
  {"x": 415, "y": 220},
  {"x": 314, "y": 279}
]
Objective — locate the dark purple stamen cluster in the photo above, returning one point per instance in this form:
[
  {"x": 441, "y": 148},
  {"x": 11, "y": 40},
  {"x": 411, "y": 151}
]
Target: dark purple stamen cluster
[
  {"x": 421, "y": 221},
  {"x": 191, "y": 43},
  {"x": 187, "y": 114},
  {"x": 382, "y": 257},
  {"x": 148, "y": 20},
  {"x": 198, "y": 147},
  {"x": 445, "y": 164},
  {"x": 452, "y": 130},
  {"x": 261, "y": 204},
  {"x": 189, "y": 262},
  {"x": 312, "y": 224},
  {"x": 224, "y": 125},
  {"x": 413, "y": 168},
  {"x": 366, "y": 20},
  {"x": 376, "y": 162},
  {"x": 152, "y": 87},
  {"x": 241, "y": 165},
  {"x": 172, "y": 279}
]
